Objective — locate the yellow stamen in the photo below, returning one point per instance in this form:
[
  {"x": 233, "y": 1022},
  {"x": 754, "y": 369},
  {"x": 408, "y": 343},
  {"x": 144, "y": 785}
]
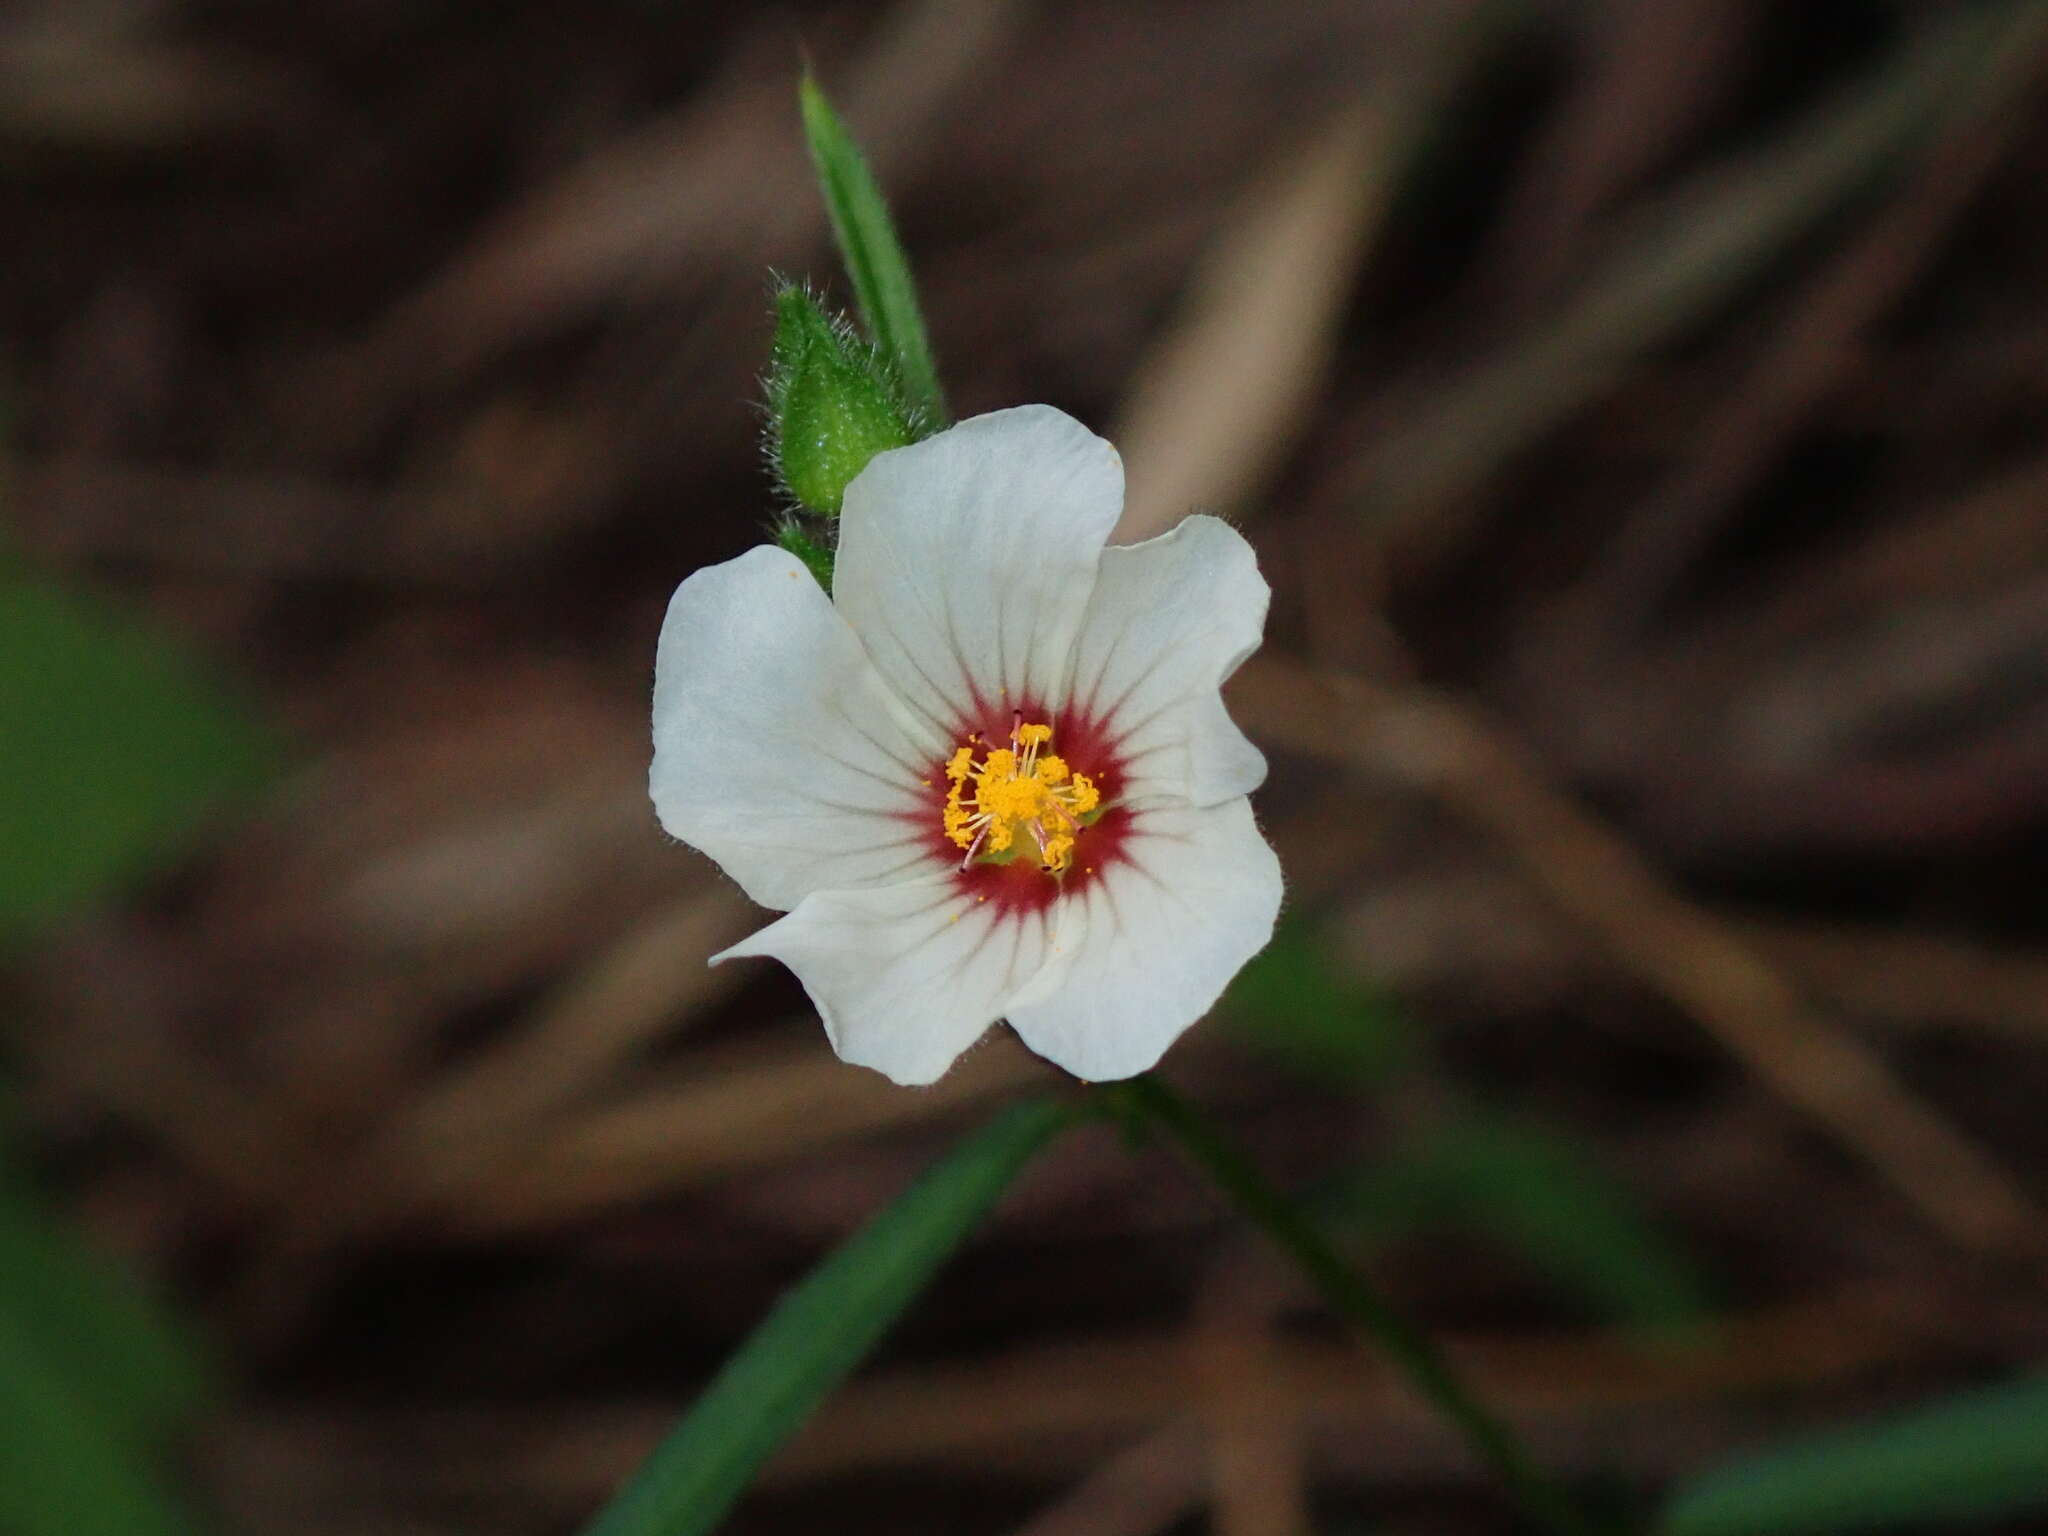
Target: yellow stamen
[{"x": 1008, "y": 791}]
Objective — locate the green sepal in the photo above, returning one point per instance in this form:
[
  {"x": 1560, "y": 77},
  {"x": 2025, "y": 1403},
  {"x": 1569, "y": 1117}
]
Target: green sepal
[
  {"x": 833, "y": 403},
  {"x": 816, "y": 555}
]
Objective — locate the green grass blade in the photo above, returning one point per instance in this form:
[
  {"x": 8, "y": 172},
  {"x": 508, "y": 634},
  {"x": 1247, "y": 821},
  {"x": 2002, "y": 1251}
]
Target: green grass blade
[
  {"x": 874, "y": 258},
  {"x": 819, "y": 1332},
  {"x": 1975, "y": 1456}
]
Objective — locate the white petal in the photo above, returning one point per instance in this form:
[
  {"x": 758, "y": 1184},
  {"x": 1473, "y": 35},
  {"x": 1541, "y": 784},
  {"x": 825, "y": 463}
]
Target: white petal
[
  {"x": 1170, "y": 620},
  {"x": 966, "y": 560},
  {"x": 905, "y": 977},
  {"x": 777, "y": 748},
  {"x": 1145, "y": 950}
]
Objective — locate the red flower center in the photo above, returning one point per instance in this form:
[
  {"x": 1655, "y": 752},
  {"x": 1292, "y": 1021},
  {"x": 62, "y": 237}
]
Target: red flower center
[{"x": 1027, "y": 808}]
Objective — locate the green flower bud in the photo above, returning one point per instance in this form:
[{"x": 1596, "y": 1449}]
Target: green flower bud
[{"x": 833, "y": 404}]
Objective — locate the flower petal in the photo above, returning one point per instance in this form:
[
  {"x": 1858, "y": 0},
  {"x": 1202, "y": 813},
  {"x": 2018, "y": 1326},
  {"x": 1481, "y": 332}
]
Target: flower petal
[
  {"x": 1146, "y": 949},
  {"x": 906, "y": 977},
  {"x": 1170, "y": 620},
  {"x": 966, "y": 560},
  {"x": 778, "y": 750}
]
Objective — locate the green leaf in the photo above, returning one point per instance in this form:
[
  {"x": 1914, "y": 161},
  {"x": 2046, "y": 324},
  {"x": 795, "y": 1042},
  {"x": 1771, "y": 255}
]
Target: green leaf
[
  {"x": 114, "y": 745},
  {"x": 874, "y": 258},
  {"x": 820, "y": 1331},
  {"x": 1291, "y": 1002},
  {"x": 1975, "y": 1456},
  {"x": 128, "y": 1362},
  {"x": 1536, "y": 1192},
  {"x": 832, "y": 403},
  {"x": 65, "y": 1470}
]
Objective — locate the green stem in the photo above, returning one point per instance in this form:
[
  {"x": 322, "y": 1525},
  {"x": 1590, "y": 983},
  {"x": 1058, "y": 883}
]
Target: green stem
[{"x": 1347, "y": 1291}]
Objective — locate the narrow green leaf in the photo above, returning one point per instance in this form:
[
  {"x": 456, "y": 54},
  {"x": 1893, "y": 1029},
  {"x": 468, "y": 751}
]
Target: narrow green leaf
[
  {"x": 1537, "y": 1193},
  {"x": 820, "y": 1331},
  {"x": 1290, "y": 1001},
  {"x": 1976, "y": 1456},
  {"x": 874, "y": 258},
  {"x": 64, "y": 1469},
  {"x": 114, "y": 745}
]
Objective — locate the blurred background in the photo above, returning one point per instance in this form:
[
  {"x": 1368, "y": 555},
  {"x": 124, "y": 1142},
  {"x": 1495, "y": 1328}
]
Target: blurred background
[{"x": 1641, "y": 412}]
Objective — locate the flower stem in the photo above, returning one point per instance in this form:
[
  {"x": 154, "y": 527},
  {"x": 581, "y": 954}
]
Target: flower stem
[{"x": 1150, "y": 1101}]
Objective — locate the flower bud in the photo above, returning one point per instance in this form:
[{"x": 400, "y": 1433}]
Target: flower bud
[{"x": 833, "y": 403}]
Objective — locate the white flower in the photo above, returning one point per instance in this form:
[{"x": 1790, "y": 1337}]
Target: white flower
[{"x": 992, "y": 775}]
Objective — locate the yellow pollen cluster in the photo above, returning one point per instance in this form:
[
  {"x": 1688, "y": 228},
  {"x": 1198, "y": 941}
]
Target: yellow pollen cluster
[{"x": 1017, "y": 789}]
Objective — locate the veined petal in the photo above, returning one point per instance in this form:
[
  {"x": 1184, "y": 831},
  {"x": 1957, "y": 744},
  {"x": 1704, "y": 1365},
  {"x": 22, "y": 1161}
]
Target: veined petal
[
  {"x": 1145, "y": 950},
  {"x": 966, "y": 560},
  {"x": 778, "y": 750},
  {"x": 1170, "y": 620},
  {"x": 907, "y": 976}
]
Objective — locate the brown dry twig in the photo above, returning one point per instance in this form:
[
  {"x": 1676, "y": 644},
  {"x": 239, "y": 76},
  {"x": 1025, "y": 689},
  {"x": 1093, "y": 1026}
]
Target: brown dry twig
[
  {"x": 1694, "y": 252},
  {"x": 1218, "y": 400},
  {"x": 1671, "y": 943},
  {"x": 650, "y": 981},
  {"x": 1907, "y": 978},
  {"x": 675, "y": 186},
  {"x": 1044, "y": 1409},
  {"x": 1147, "y": 1488},
  {"x": 1817, "y": 348},
  {"x": 744, "y": 1106},
  {"x": 1654, "y": 73}
]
